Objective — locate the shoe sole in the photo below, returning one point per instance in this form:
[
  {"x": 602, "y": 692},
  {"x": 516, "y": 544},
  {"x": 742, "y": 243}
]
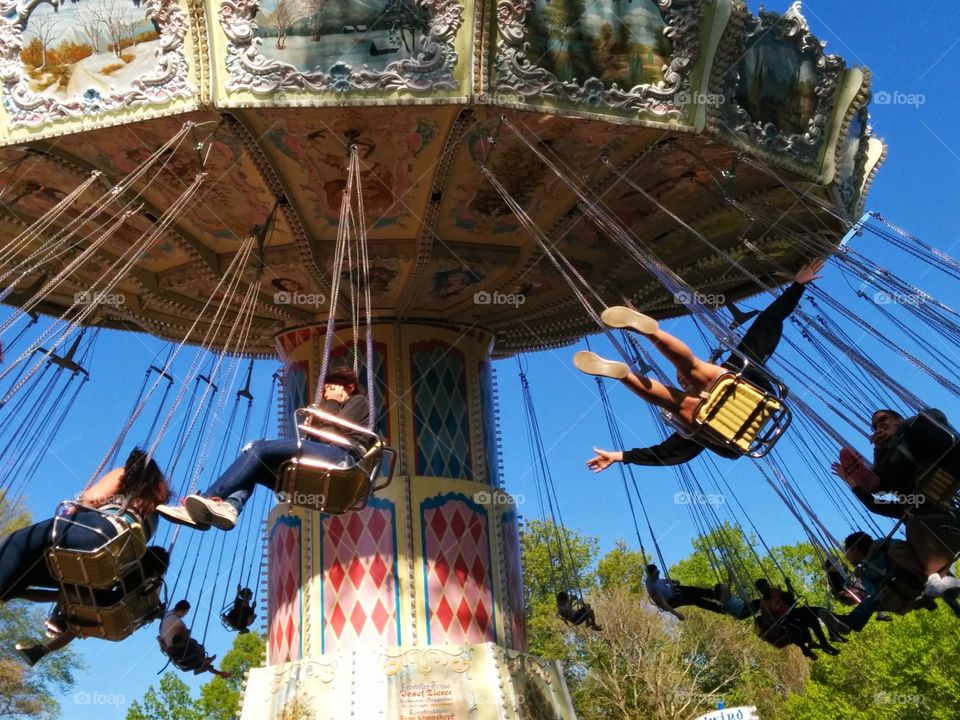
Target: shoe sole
[
  {"x": 623, "y": 317},
  {"x": 190, "y": 523},
  {"x": 592, "y": 364},
  {"x": 201, "y": 512}
]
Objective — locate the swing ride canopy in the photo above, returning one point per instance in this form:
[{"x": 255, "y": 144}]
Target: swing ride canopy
[{"x": 740, "y": 125}]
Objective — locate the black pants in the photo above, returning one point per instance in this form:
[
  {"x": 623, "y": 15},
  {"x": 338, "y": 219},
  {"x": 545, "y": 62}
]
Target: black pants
[
  {"x": 22, "y": 554},
  {"x": 698, "y": 597}
]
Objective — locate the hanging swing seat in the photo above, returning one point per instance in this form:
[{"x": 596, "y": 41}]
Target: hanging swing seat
[
  {"x": 739, "y": 416},
  {"x": 101, "y": 567},
  {"x": 938, "y": 486},
  {"x": 86, "y": 613},
  {"x": 328, "y": 487}
]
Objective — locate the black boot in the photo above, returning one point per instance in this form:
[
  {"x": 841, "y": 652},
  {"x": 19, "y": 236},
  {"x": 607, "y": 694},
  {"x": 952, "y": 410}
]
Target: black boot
[{"x": 31, "y": 654}]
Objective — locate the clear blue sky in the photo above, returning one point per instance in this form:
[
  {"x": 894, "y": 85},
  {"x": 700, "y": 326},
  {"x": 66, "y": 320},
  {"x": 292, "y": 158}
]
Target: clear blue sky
[{"x": 908, "y": 51}]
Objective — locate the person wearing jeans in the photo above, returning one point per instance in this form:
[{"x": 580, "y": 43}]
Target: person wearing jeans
[{"x": 260, "y": 461}]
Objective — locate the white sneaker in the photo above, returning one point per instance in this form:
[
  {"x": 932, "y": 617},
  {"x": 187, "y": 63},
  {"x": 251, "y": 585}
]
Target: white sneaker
[
  {"x": 212, "y": 511},
  {"x": 949, "y": 582},
  {"x": 623, "y": 317},
  {"x": 934, "y": 587},
  {"x": 592, "y": 364},
  {"x": 178, "y": 515}
]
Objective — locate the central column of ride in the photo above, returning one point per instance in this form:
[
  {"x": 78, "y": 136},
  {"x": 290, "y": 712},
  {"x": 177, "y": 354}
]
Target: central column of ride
[{"x": 412, "y": 607}]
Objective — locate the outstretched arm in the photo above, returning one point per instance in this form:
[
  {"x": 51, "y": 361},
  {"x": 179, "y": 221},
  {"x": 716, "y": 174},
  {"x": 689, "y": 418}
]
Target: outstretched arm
[
  {"x": 661, "y": 603},
  {"x": 675, "y": 450}
]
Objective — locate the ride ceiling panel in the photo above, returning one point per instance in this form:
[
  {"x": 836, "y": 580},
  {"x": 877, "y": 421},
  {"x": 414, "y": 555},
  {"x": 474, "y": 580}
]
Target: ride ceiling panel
[
  {"x": 232, "y": 198},
  {"x": 399, "y": 151}
]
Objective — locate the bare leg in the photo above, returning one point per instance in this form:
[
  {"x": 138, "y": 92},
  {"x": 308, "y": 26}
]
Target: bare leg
[
  {"x": 701, "y": 373},
  {"x": 656, "y": 393}
]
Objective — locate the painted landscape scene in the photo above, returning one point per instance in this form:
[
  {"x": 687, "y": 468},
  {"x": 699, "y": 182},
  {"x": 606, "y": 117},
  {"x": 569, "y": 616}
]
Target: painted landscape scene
[
  {"x": 81, "y": 45},
  {"x": 316, "y": 35},
  {"x": 616, "y": 41}
]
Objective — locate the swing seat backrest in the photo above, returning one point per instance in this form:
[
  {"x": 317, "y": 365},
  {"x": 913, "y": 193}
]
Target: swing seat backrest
[
  {"x": 319, "y": 485},
  {"x": 102, "y": 567},
  {"x": 938, "y": 486},
  {"x": 741, "y": 416},
  {"x": 86, "y": 617}
]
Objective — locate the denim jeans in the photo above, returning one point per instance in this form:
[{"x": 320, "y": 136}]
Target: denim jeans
[{"x": 260, "y": 462}]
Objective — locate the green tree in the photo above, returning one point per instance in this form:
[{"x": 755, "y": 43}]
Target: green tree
[
  {"x": 901, "y": 670},
  {"x": 622, "y": 567},
  {"x": 171, "y": 701},
  {"x": 28, "y": 692},
  {"x": 220, "y": 699},
  {"x": 554, "y": 559}
]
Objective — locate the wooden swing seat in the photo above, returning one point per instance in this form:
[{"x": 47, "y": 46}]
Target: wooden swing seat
[{"x": 316, "y": 484}]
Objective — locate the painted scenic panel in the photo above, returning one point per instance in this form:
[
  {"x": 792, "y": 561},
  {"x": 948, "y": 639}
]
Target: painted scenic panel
[
  {"x": 79, "y": 47},
  {"x": 332, "y": 35},
  {"x": 615, "y": 41},
  {"x": 778, "y": 84}
]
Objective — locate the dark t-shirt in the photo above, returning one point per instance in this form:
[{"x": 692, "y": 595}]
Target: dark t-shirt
[{"x": 355, "y": 410}]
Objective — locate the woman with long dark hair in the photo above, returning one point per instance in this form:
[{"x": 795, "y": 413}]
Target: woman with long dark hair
[{"x": 122, "y": 497}]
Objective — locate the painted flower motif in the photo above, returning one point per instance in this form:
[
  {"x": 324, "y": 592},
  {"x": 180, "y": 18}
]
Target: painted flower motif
[{"x": 340, "y": 77}]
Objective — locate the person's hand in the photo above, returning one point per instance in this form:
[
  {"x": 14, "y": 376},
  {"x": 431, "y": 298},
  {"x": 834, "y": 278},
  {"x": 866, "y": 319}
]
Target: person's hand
[
  {"x": 334, "y": 392},
  {"x": 809, "y": 272},
  {"x": 839, "y": 471},
  {"x": 603, "y": 459}
]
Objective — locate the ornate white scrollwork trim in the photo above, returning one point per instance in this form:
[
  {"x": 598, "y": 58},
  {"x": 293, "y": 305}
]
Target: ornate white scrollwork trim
[
  {"x": 166, "y": 81},
  {"x": 805, "y": 146}
]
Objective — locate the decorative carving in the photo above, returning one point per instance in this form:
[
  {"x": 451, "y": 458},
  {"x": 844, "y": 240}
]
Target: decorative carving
[
  {"x": 431, "y": 69},
  {"x": 166, "y": 81},
  {"x": 802, "y": 146},
  {"x": 426, "y": 660},
  {"x": 518, "y": 74}
]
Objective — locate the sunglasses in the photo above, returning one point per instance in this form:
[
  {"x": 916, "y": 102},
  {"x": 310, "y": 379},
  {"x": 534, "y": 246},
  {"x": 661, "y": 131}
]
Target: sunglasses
[{"x": 876, "y": 422}]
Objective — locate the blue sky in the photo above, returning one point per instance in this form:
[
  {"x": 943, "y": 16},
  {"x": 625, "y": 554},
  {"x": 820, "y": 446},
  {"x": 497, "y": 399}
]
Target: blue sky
[{"x": 908, "y": 52}]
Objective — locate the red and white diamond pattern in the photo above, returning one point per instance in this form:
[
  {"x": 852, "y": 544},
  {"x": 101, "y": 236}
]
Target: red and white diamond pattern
[
  {"x": 359, "y": 584},
  {"x": 511, "y": 556},
  {"x": 283, "y": 595},
  {"x": 459, "y": 592}
]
